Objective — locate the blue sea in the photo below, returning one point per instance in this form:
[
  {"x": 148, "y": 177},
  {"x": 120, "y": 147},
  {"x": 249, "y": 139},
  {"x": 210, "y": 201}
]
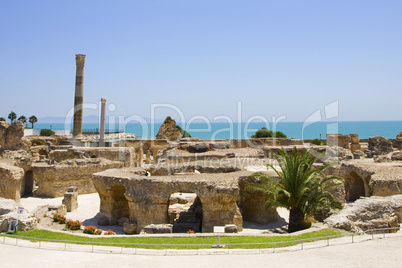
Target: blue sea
[{"x": 296, "y": 130}]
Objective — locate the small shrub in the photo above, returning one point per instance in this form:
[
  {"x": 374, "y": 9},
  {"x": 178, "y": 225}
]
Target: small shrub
[
  {"x": 183, "y": 132},
  {"x": 266, "y": 133},
  {"x": 73, "y": 225},
  {"x": 98, "y": 231},
  {"x": 109, "y": 232},
  {"x": 279, "y": 134},
  {"x": 190, "y": 231},
  {"x": 46, "y": 132},
  {"x": 89, "y": 229},
  {"x": 316, "y": 142},
  {"x": 59, "y": 218}
]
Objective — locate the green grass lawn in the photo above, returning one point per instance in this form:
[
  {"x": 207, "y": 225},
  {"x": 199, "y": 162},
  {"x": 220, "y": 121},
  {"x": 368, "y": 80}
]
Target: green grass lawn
[{"x": 136, "y": 241}]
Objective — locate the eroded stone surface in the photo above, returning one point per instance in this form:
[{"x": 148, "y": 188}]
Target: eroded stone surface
[{"x": 369, "y": 213}]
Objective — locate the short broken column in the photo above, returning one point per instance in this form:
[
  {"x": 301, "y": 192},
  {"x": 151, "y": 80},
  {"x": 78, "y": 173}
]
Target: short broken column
[
  {"x": 71, "y": 198},
  {"x": 355, "y": 142}
]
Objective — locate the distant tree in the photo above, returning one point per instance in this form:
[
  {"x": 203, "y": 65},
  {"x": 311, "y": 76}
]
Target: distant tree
[
  {"x": 2, "y": 119},
  {"x": 266, "y": 133},
  {"x": 46, "y": 132},
  {"x": 12, "y": 116},
  {"x": 33, "y": 120},
  {"x": 23, "y": 119}
]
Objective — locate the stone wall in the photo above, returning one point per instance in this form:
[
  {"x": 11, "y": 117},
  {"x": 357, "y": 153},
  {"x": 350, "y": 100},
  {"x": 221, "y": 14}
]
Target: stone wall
[
  {"x": 125, "y": 155},
  {"x": 145, "y": 200},
  {"x": 11, "y": 178},
  {"x": 252, "y": 202},
  {"x": 53, "y": 180}
]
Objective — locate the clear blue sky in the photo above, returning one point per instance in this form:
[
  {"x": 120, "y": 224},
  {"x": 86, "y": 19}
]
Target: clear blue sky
[{"x": 277, "y": 57}]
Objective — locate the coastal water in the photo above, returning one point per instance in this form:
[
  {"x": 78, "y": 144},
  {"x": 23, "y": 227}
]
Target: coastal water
[{"x": 297, "y": 130}]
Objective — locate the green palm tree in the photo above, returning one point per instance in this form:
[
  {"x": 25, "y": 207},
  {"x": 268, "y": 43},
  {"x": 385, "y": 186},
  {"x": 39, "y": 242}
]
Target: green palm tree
[
  {"x": 33, "y": 120},
  {"x": 2, "y": 119},
  {"x": 12, "y": 116},
  {"x": 302, "y": 188},
  {"x": 23, "y": 119}
]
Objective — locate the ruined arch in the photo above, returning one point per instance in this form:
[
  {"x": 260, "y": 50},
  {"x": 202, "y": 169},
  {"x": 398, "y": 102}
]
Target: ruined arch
[
  {"x": 185, "y": 212},
  {"x": 355, "y": 187}
]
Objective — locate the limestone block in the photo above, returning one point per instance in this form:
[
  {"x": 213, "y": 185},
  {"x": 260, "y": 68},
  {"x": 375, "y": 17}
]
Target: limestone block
[
  {"x": 158, "y": 229},
  {"x": 354, "y": 138},
  {"x": 355, "y": 147},
  {"x": 130, "y": 227},
  {"x": 230, "y": 228},
  {"x": 338, "y": 140},
  {"x": 71, "y": 199}
]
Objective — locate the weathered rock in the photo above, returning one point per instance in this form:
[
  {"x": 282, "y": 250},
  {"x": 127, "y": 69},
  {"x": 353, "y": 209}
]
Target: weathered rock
[
  {"x": 122, "y": 220},
  {"x": 230, "y": 228},
  {"x": 103, "y": 221},
  {"x": 11, "y": 178},
  {"x": 219, "y": 146},
  {"x": 12, "y": 136},
  {"x": 369, "y": 213},
  {"x": 382, "y": 158},
  {"x": 7, "y": 206},
  {"x": 396, "y": 156},
  {"x": 379, "y": 145},
  {"x": 168, "y": 130},
  {"x": 359, "y": 153},
  {"x": 198, "y": 148},
  {"x": 130, "y": 227},
  {"x": 338, "y": 153},
  {"x": 26, "y": 220},
  {"x": 158, "y": 229}
]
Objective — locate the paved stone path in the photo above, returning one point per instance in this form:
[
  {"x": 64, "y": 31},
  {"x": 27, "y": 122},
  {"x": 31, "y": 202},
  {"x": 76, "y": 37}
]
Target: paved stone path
[{"x": 374, "y": 253}]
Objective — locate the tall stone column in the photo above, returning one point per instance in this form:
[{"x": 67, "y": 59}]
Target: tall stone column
[
  {"x": 102, "y": 123},
  {"x": 79, "y": 95}
]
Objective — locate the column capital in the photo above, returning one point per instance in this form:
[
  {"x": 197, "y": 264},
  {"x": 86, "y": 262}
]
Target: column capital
[{"x": 80, "y": 59}]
